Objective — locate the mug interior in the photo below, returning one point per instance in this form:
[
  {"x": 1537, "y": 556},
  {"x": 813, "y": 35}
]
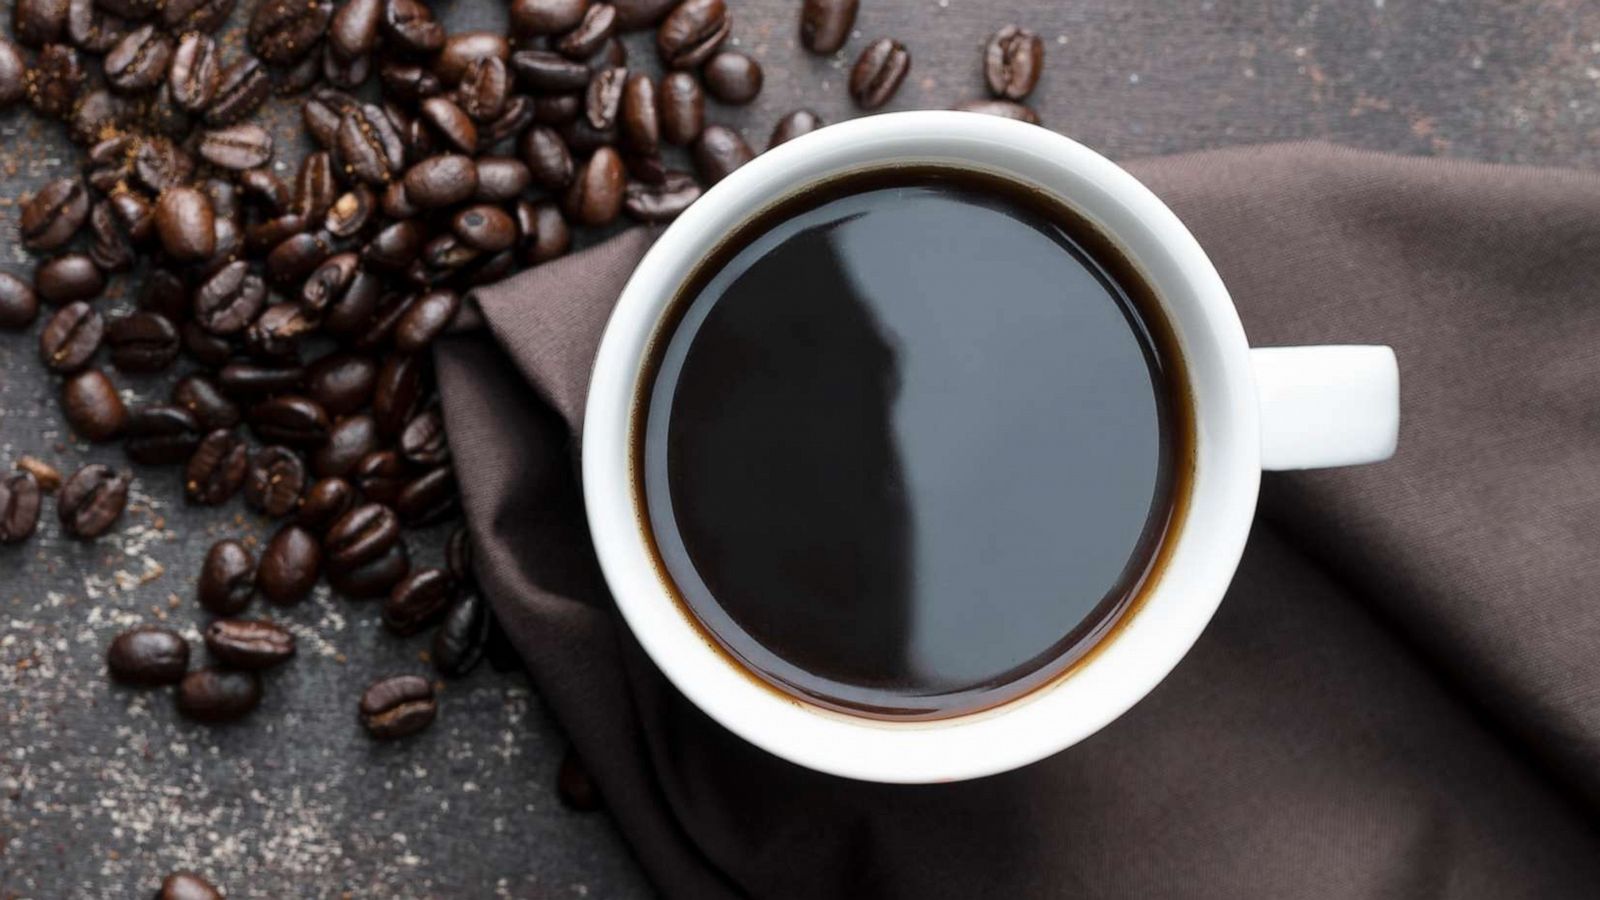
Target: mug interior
[{"x": 1150, "y": 638}]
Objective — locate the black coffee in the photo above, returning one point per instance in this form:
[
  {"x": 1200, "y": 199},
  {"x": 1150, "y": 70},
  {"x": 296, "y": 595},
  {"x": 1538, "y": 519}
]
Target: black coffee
[{"x": 912, "y": 442}]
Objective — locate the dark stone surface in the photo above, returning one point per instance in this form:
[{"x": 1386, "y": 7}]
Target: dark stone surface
[{"x": 103, "y": 789}]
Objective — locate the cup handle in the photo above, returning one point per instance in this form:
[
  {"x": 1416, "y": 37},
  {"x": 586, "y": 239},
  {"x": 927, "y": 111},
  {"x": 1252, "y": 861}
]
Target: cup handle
[{"x": 1337, "y": 405}]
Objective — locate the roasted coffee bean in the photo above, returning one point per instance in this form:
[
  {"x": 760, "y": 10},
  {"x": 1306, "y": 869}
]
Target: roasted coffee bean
[
  {"x": 432, "y": 312},
  {"x": 289, "y": 566},
  {"x": 595, "y": 197},
  {"x": 486, "y": 227},
  {"x": 48, "y": 477},
  {"x": 218, "y": 695},
  {"x": 148, "y": 656},
  {"x": 91, "y": 501},
  {"x": 247, "y": 380},
  {"x": 92, "y": 406},
  {"x": 530, "y": 18},
  {"x": 574, "y": 786},
  {"x": 142, "y": 342},
  {"x": 241, "y": 89},
  {"x": 351, "y": 311},
  {"x": 692, "y": 32},
  {"x": 283, "y": 31},
  {"x": 373, "y": 579},
  {"x": 369, "y": 144},
  {"x": 398, "y": 706},
  {"x": 547, "y": 157},
  {"x": 458, "y": 554},
  {"x": 216, "y": 469},
  {"x": 410, "y": 24},
  {"x": 360, "y": 536},
  {"x": 101, "y": 111},
  {"x": 236, "y": 147},
  {"x": 345, "y": 73},
  {"x": 51, "y": 217},
  {"x": 290, "y": 419},
  {"x": 591, "y": 32},
  {"x": 228, "y": 301},
  {"x": 20, "y": 498},
  {"x": 322, "y": 112},
  {"x": 394, "y": 247},
  {"x": 328, "y": 282},
  {"x": 13, "y": 74},
  {"x": 70, "y": 338},
  {"x": 161, "y": 435},
  {"x": 488, "y": 268},
  {"x": 250, "y": 644},
  {"x": 275, "y": 481},
  {"x": 682, "y": 108},
  {"x": 183, "y": 16},
  {"x": 464, "y": 48},
  {"x": 443, "y": 254},
  {"x": 39, "y": 22},
  {"x": 349, "y": 441},
  {"x": 206, "y": 348},
  {"x": 458, "y": 643},
  {"x": 442, "y": 181},
  {"x": 423, "y": 441},
  {"x": 396, "y": 204},
  {"x": 732, "y": 77},
  {"x": 878, "y": 72},
  {"x": 1012, "y": 62},
  {"x": 187, "y": 885},
  {"x": 19, "y": 305},
  {"x": 263, "y": 236},
  {"x": 381, "y": 475},
  {"x": 418, "y": 600},
  {"x": 298, "y": 256},
  {"x": 201, "y": 398},
  {"x": 186, "y": 224},
  {"x": 1005, "y": 109},
  {"x": 196, "y": 72},
  {"x": 429, "y": 497},
  {"x": 275, "y": 334},
  {"x": 501, "y": 178},
  {"x": 266, "y": 190},
  {"x": 109, "y": 248},
  {"x": 227, "y": 578},
  {"x": 557, "y": 109},
  {"x": 484, "y": 90},
  {"x": 350, "y": 212},
  {"x": 139, "y": 61},
  {"x": 719, "y": 151},
  {"x": 542, "y": 232},
  {"x": 791, "y": 126},
  {"x": 324, "y": 502},
  {"x": 56, "y": 80},
  {"x": 604, "y": 97},
  {"x": 451, "y": 123},
  {"x": 639, "y": 119},
  {"x": 825, "y": 24},
  {"x": 342, "y": 382},
  {"x": 542, "y": 70},
  {"x": 353, "y": 31},
  {"x": 408, "y": 82},
  {"x": 662, "y": 202},
  {"x": 633, "y": 14},
  {"x": 68, "y": 277},
  {"x": 165, "y": 293}
]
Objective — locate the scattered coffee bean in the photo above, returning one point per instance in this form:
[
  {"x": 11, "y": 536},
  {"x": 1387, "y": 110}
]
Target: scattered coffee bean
[
  {"x": 185, "y": 222},
  {"x": 349, "y": 441},
  {"x": 324, "y": 503},
  {"x": 633, "y": 14},
  {"x": 1012, "y": 62},
  {"x": 201, "y": 397},
  {"x": 68, "y": 277},
  {"x": 289, "y": 566},
  {"x": 91, "y": 501},
  {"x": 51, "y": 217},
  {"x": 142, "y": 342},
  {"x": 423, "y": 441},
  {"x": 293, "y": 420},
  {"x": 458, "y": 554},
  {"x": 428, "y": 498},
  {"x": 369, "y": 144},
  {"x": 595, "y": 197},
  {"x": 373, "y": 579},
  {"x": 139, "y": 61},
  {"x": 148, "y": 656},
  {"x": 484, "y": 91},
  {"x": 464, "y": 48},
  {"x": 878, "y": 72},
  {"x": 1005, "y": 109},
  {"x": 57, "y": 80},
  {"x": 692, "y": 32},
  {"x": 361, "y": 536},
  {"x": 161, "y": 435},
  {"x": 604, "y": 97},
  {"x": 196, "y": 72},
  {"x": 13, "y": 74},
  {"x": 398, "y": 394},
  {"x": 501, "y": 178},
  {"x": 381, "y": 475},
  {"x": 542, "y": 232},
  {"x": 417, "y": 600},
  {"x": 92, "y": 406},
  {"x": 275, "y": 481},
  {"x": 542, "y": 70},
  {"x": 70, "y": 337},
  {"x": 353, "y": 31},
  {"x": 227, "y": 578},
  {"x": 459, "y": 642},
  {"x": 732, "y": 77},
  {"x": 48, "y": 476},
  {"x": 38, "y": 22},
  {"x": 574, "y": 786},
  {"x": 398, "y": 706},
  {"x": 216, "y": 469},
  {"x": 236, "y": 147},
  {"x": 661, "y": 202},
  {"x": 432, "y": 312},
  {"x": 187, "y": 885},
  {"x": 410, "y": 24},
  {"x": 251, "y": 644},
  {"x": 718, "y": 151},
  {"x": 591, "y": 32},
  {"x": 283, "y": 31},
  {"x": 825, "y": 24},
  {"x": 682, "y": 108},
  {"x": 791, "y": 126},
  {"x": 19, "y": 305},
  {"x": 218, "y": 695},
  {"x": 530, "y": 18},
  {"x": 20, "y": 499},
  {"x": 442, "y": 180}
]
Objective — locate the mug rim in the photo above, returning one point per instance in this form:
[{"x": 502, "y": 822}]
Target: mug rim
[{"x": 1116, "y": 674}]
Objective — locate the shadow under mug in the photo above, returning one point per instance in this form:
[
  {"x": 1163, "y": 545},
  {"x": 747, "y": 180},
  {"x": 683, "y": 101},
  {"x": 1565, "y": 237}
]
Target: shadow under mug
[{"x": 1275, "y": 408}]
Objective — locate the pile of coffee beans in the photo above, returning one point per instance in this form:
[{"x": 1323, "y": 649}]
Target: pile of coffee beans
[{"x": 299, "y": 311}]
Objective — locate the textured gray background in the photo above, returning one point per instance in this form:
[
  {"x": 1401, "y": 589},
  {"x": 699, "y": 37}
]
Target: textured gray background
[{"x": 102, "y": 789}]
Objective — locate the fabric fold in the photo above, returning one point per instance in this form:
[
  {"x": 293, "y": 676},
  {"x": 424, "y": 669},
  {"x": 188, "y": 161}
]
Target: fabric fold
[{"x": 1399, "y": 697}]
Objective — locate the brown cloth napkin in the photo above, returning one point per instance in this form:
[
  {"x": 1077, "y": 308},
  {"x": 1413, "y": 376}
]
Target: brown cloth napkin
[{"x": 1400, "y": 696}]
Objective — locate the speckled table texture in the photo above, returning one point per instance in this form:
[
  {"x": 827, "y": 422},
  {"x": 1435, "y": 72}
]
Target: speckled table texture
[{"x": 103, "y": 789}]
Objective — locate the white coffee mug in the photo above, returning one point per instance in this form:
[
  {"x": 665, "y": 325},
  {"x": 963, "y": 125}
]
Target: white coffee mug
[{"x": 1279, "y": 408}]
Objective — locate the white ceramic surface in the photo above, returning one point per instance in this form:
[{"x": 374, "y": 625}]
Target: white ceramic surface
[{"x": 1322, "y": 406}]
